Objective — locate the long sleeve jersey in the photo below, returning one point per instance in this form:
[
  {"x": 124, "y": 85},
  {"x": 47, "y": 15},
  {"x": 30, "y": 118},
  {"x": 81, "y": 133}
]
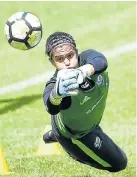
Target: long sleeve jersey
[{"x": 79, "y": 114}]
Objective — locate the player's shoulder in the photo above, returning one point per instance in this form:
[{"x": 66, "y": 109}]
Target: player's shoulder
[
  {"x": 85, "y": 52},
  {"x": 91, "y": 52}
]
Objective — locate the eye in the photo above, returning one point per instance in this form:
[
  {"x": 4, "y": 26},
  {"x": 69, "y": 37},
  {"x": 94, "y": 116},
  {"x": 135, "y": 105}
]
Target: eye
[
  {"x": 60, "y": 58},
  {"x": 70, "y": 55}
]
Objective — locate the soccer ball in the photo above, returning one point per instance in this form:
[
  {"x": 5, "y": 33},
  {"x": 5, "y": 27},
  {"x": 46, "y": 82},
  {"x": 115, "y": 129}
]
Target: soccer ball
[{"x": 23, "y": 30}]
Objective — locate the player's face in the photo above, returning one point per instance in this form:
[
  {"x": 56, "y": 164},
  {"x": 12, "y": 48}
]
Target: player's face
[{"x": 64, "y": 56}]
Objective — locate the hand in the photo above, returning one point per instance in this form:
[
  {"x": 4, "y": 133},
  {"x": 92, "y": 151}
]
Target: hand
[
  {"x": 85, "y": 71},
  {"x": 66, "y": 85},
  {"x": 67, "y": 82},
  {"x": 80, "y": 76}
]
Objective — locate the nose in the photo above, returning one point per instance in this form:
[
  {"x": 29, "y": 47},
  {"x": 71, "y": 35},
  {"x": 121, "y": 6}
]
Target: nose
[{"x": 67, "y": 62}]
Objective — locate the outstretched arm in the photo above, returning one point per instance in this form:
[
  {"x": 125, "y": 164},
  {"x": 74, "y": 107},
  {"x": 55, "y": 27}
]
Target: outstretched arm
[
  {"x": 65, "y": 85},
  {"x": 96, "y": 59},
  {"x": 51, "y": 108},
  {"x": 91, "y": 62}
]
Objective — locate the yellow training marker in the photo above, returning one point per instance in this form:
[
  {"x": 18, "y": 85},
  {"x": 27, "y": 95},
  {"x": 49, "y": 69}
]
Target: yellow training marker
[
  {"x": 51, "y": 148},
  {"x": 3, "y": 164}
]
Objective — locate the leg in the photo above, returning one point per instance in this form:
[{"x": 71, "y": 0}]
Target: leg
[
  {"x": 73, "y": 150},
  {"x": 95, "y": 149},
  {"x": 100, "y": 147}
]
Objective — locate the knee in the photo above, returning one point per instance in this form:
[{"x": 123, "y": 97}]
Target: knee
[
  {"x": 122, "y": 162},
  {"x": 120, "y": 165}
]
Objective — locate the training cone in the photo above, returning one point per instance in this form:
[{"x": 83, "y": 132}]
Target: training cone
[
  {"x": 49, "y": 149},
  {"x": 3, "y": 164}
]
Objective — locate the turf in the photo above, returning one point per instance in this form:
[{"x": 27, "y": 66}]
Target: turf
[{"x": 99, "y": 25}]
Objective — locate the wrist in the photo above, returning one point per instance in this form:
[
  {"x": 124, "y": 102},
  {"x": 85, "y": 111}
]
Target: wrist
[
  {"x": 87, "y": 70},
  {"x": 54, "y": 97}
]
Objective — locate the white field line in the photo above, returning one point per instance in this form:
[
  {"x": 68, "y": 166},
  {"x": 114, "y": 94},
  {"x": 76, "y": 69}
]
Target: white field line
[{"x": 45, "y": 76}]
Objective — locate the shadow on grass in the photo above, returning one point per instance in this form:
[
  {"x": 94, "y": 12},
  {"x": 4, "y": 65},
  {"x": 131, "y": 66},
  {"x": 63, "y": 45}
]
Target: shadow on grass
[{"x": 16, "y": 103}]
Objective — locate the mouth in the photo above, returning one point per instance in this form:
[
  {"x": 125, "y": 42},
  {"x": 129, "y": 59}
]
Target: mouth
[{"x": 71, "y": 67}]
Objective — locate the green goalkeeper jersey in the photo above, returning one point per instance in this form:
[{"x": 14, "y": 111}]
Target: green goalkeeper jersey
[
  {"x": 86, "y": 108},
  {"x": 77, "y": 115}
]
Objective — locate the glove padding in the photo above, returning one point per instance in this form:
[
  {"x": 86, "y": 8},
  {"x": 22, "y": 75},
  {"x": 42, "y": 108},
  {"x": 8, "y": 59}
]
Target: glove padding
[
  {"x": 66, "y": 85},
  {"x": 67, "y": 82},
  {"x": 83, "y": 72}
]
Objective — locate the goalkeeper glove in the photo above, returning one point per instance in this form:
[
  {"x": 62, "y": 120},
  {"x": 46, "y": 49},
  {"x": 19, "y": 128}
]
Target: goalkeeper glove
[
  {"x": 66, "y": 85},
  {"x": 84, "y": 71}
]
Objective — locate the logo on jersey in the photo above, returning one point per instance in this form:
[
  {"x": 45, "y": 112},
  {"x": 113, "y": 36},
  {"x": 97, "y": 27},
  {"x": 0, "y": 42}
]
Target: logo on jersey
[
  {"x": 85, "y": 85},
  {"x": 85, "y": 100},
  {"x": 98, "y": 143},
  {"x": 88, "y": 85},
  {"x": 99, "y": 80}
]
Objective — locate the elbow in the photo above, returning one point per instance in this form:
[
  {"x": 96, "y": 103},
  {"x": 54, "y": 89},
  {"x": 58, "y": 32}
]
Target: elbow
[
  {"x": 100, "y": 64},
  {"x": 50, "y": 108},
  {"x": 52, "y": 111},
  {"x": 104, "y": 65}
]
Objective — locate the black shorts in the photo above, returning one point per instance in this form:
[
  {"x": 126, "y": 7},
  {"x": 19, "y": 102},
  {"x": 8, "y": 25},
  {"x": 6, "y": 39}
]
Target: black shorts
[{"x": 95, "y": 149}]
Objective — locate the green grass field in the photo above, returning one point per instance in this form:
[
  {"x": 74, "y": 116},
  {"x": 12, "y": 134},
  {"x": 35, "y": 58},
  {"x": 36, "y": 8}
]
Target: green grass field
[{"x": 103, "y": 26}]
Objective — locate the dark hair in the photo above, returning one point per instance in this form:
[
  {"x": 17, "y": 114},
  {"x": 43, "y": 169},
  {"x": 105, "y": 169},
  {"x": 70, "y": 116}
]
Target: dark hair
[{"x": 58, "y": 38}]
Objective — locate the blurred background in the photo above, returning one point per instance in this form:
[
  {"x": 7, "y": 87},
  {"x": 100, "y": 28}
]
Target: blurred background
[{"x": 109, "y": 27}]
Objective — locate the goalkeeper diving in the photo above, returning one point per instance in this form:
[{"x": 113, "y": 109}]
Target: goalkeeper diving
[{"x": 76, "y": 98}]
